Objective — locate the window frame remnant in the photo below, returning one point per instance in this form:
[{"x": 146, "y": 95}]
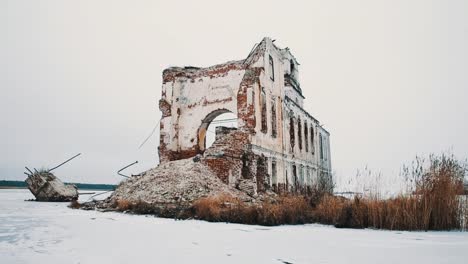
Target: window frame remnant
[
  {"x": 273, "y": 119},
  {"x": 306, "y": 136},
  {"x": 294, "y": 175},
  {"x": 312, "y": 138},
  {"x": 321, "y": 146},
  {"x": 274, "y": 173},
  {"x": 263, "y": 112},
  {"x": 301, "y": 174},
  {"x": 272, "y": 68},
  {"x": 299, "y": 133},
  {"x": 292, "y": 139}
]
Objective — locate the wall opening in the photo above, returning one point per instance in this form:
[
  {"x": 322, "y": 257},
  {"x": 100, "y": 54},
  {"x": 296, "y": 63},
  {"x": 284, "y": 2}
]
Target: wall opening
[
  {"x": 261, "y": 174},
  {"x": 274, "y": 179},
  {"x": 312, "y": 145},
  {"x": 263, "y": 106},
  {"x": 321, "y": 146},
  {"x": 299, "y": 133},
  {"x": 272, "y": 68},
  {"x": 273, "y": 118},
  {"x": 291, "y": 133},
  {"x": 301, "y": 174},
  {"x": 207, "y": 130},
  {"x": 294, "y": 176},
  {"x": 306, "y": 136}
]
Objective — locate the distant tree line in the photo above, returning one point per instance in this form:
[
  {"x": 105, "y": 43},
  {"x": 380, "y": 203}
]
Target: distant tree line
[{"x": 89, "y": 186}]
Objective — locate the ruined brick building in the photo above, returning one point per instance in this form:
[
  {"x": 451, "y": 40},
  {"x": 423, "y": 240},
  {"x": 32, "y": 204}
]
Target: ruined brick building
[{"x": 277, "y": 144}]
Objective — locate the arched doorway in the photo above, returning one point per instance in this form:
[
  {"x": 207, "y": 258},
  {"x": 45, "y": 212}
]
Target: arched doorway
[{"x": 207, "y": 130}]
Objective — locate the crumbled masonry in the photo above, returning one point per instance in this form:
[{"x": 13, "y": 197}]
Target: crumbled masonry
[
  {"x": 171, "y": 188},
  {"x": 174, "y": 182},
  {"x": 46, "y": 187}
]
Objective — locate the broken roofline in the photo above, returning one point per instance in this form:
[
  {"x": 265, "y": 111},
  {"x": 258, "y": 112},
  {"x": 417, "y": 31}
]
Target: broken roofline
[
  {"x": 254, "y": 50},
  {"x": 170, "y": 74},
  {"x": 194, "y": 72},
  {"x": 193, "y": 69}
]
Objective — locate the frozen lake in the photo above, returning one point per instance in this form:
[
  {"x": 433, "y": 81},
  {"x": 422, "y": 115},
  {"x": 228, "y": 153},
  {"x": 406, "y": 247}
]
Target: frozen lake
[{"x": 34, "y": 232}]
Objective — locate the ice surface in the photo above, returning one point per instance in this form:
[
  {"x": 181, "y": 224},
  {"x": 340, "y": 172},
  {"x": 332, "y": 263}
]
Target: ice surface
[{"x": 35, "y": 232}]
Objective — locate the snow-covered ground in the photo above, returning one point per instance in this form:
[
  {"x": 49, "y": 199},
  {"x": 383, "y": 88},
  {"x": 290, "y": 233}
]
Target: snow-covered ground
[{"x": 34, "y": 232}]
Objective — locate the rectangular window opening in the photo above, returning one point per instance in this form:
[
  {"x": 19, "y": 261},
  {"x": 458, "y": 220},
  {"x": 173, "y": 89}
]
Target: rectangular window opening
[
  {"x": 272, "y": 69},
  {"x": 273, "y": 119},
  {"x": 264, "y": 112},
  {"x": 273, "y": 172}
]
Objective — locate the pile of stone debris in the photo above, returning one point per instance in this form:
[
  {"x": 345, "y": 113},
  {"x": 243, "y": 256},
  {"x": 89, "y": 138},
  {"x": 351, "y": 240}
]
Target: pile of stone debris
[
  {"x": 46, "y": 187},
  {"x": 172, "y": 184},
  {"x": 175, "y": 181}
]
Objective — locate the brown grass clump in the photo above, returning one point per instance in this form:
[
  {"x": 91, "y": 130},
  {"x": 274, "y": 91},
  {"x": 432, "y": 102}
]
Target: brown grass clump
[
  {"x": 224, "y": 208},
  {"x": 169, "y": 210},
  {"x": 215, "y": 208},
  {"x": 287, "y": 210},
  {"x": 123, "y": 205},
  {"x": 74, "y": 204},
  {"x": 329, "y": 209}
]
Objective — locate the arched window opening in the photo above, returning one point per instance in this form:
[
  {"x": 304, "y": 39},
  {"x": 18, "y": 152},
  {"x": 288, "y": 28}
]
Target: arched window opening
[{"x": 207, "y": 132}]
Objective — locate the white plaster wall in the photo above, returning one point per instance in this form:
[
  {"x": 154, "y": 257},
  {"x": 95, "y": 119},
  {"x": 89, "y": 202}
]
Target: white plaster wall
[
  {"x": 274, "y": 89},
  {"x": 294, "y": 95},
  {"x": 196, "y": 99},
  {"x": 206, "y": 90},
  {"x": 279, "y": 147}
]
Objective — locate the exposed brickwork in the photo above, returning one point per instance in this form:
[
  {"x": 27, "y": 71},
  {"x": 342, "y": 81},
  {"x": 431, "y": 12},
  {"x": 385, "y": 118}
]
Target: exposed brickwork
[
  {"x": 246, "y": 112},
  {"x": 217, "y": 101},
  {"x": 194, "y": 73},
  {"x": 225, "y": 156},
  {"x": 165, "y": 108}
]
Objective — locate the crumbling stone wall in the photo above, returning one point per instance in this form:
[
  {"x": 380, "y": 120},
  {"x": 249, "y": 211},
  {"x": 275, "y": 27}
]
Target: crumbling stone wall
[{"x": 277, "y": 144}]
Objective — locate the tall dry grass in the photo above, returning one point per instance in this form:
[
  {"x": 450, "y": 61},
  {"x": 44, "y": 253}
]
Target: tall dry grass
[
  {"x": 433, "y": 201},
  {"x": 224, "y": 208}
]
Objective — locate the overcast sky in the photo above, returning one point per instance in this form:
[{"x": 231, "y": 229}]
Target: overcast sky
[{"x": 388, "y": 79}]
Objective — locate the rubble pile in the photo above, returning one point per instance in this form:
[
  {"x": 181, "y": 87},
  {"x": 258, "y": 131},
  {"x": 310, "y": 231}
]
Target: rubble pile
[
  {"x": 174, "y": 182},
  {"x": 46, "y": 187}
]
